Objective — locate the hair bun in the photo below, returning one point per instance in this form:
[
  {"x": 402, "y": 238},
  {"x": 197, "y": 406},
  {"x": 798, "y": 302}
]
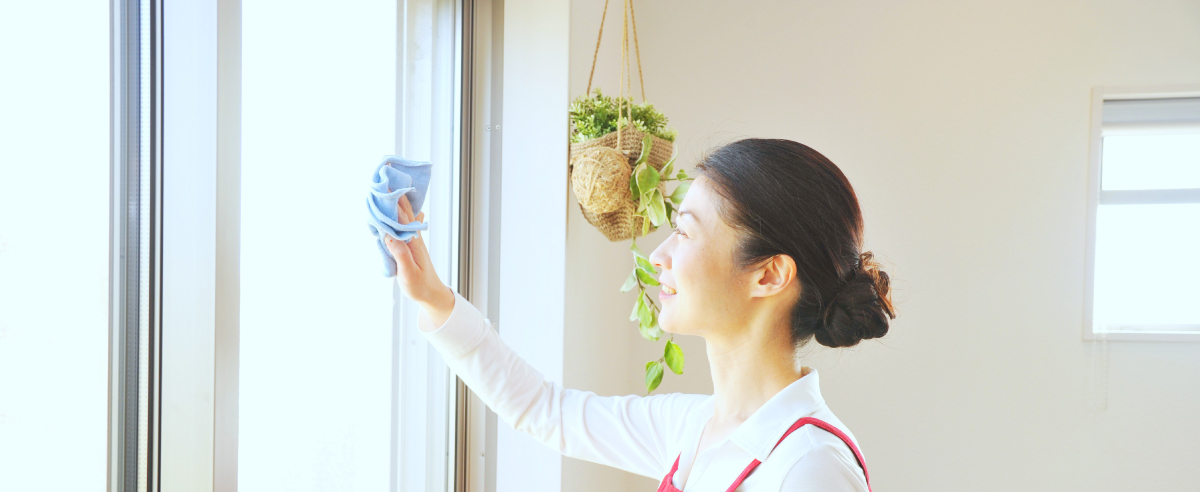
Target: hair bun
[{"x": 861, "y": 308}]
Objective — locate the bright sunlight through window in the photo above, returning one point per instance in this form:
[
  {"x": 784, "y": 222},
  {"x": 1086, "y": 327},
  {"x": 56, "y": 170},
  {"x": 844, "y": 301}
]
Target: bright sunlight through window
[
  {"x": 54, "y": 133},
  {"x": 318, "y": 114}
]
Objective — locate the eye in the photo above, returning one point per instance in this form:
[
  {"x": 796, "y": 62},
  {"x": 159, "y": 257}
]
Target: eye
[{"x": 677, "y": 231}]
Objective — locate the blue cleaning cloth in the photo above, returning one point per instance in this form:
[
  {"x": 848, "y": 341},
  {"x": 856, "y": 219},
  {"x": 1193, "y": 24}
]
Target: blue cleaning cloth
[{"x": 394, "y": 177}]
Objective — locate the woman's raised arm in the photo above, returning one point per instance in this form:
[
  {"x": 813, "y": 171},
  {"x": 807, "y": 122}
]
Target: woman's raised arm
[{"x": 637, "y": 434}]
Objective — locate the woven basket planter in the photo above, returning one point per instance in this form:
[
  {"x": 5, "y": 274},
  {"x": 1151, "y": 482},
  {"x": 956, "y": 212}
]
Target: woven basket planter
[{"x": 601, "y": 183}]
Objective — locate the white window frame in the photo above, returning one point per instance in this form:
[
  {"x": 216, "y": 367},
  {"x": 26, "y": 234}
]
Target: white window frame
[
  {"x": 520, "y": 87},
  {"x": 197, "y": 438},
  {"x": 1096, "y": 196},
  {"x": 425, "y": 395}
]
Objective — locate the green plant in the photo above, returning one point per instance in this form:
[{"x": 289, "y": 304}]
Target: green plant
[
  {"x": 596, "y": 115},
  {"x": 656, "y": 209}
]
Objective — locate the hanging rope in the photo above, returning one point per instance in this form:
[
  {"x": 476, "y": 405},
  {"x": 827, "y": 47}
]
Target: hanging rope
[
  {"x": 626, "y": 73},
  {"x": 638, "y": 51},
  {"x": 625, "y": 80},
  {"x": 621, "y": 79},
  {"x": 636, "y": 47},
  {"x": 597, "y": 52}
]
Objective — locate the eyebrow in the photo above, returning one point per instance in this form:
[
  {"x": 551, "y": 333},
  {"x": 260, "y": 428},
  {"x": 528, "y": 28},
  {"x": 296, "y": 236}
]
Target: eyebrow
[{"x": 682, "y": 212}]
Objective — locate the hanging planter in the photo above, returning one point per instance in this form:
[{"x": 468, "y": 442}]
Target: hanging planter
[
  {"x": 603, "y": 159},
  {"x": 622, "y": 157}
]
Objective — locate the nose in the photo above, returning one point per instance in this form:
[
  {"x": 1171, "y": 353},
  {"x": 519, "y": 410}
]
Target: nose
[{"x": 659, "y": 256}]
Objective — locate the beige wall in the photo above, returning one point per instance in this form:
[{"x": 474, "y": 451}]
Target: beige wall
[{"x": 964, "y": 128}]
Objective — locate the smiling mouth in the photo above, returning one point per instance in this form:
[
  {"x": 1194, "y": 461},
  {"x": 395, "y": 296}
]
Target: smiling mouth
[{"x": 668, "y": 290}]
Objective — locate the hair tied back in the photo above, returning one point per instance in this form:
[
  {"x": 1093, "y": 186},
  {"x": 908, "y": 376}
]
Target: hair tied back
[{"x": 860, "y": 307}]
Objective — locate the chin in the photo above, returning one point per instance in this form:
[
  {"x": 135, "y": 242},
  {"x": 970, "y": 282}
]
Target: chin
[
  {"x": 669, "y": 325},
  {"x": 666, "y": 324}
]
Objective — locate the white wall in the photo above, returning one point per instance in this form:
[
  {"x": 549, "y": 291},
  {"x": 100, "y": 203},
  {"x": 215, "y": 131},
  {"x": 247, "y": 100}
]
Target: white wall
[
  {"x": 964, "y": 128},
  {"x": 532, "y": 213}
]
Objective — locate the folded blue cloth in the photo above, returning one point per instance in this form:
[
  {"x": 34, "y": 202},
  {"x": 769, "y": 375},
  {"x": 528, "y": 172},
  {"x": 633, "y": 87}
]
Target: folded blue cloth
[{"x": 394, "y": 177}]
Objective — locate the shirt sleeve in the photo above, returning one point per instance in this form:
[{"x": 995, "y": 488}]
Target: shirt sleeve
[
  {"x": 633, "y": 433},
  {"x": 825, "y": 468}
]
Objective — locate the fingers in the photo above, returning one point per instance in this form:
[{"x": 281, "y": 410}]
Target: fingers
[
  {"x": 406, "y": 265},
  {"x": 404, "y": 210},
  {"x": 415, "y": 248},
  {"x": 420, "y": 252}
]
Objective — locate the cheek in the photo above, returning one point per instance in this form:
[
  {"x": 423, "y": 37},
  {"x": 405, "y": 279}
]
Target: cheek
[{"x": 703, "y": 290}]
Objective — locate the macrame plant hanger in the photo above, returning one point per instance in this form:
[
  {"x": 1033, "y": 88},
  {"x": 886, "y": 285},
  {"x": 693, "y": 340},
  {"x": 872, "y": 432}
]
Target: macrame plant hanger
[
  {"x": 625, "y": 80},
  {"x": 600, "y": 168}
]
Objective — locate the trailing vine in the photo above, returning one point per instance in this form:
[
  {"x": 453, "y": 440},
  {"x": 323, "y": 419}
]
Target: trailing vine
[{"x": 655, "y": 209}]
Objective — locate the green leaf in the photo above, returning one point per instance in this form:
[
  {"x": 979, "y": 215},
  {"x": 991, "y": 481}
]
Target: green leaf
[
  {"x": 643, "y": 263},
  {"x": 666, "y": 170},
  {"x": 656, "y": 332},
  {"x": 647, "y": 179},
  {"x": 654, "y": 374},
  {"x": 637, "y": 253},
  {"x": 595, "y": 115},
  {"x": 682, "y": 174},
  {"x": 680, "y": 191},
  {"x": 646, "y": 332},
  {"x": 646, "y": 278},
  {"x": 673, "y": 354},
  {"x": 645, "y": 227},
  {"x": 652, "y": 331},
  {"x": 647, "y": 143},
  {"x": 633, "y": 186},
  {"x": 634, "y": 315},
  {"x": 630, "y": 282},
  {"x": 670, "y": 211},
  {"x": 658, "y": 211},
  {"x": 644, "y": 314}
]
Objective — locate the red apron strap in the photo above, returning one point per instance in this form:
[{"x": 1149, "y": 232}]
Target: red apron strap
[
  {"x": 666, "y": 485},
  {"x": 799, "y": 423}
]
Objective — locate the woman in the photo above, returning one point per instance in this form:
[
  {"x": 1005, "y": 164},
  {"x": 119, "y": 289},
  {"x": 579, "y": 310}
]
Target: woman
[{"x": 766, "y": 256}]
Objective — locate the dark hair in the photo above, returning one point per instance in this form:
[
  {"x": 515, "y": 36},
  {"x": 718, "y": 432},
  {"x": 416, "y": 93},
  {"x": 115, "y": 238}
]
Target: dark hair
[{"x": 786, "y": 198}]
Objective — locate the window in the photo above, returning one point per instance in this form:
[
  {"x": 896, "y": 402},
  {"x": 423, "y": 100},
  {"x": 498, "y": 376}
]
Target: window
[
  {"x": 1145, "y": 226},
  {"x": 54, "y": 252},
  {"x": 140, "y": 160},
  {"x": 339, "y": 391}
]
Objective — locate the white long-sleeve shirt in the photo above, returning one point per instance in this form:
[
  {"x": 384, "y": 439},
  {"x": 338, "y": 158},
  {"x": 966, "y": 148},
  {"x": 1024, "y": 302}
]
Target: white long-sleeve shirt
[{"x": 644, "y": 435}]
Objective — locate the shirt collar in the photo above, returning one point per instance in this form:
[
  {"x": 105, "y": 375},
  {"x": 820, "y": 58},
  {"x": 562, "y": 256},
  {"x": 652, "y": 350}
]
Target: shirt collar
[{"x": 759, "y": 433}]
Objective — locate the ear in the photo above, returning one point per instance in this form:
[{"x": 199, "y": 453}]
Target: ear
[{"x": 774, "y": 276}]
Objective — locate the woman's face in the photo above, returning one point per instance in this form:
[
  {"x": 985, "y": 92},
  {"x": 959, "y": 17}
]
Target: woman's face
[{"x": 710, "y": 293}]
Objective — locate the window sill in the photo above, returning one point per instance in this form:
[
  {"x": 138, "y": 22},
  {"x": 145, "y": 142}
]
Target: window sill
[{"x": 1191, "y": 334}]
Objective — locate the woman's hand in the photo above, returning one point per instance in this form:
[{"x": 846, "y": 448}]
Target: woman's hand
[{"x": 415, "y": 272}]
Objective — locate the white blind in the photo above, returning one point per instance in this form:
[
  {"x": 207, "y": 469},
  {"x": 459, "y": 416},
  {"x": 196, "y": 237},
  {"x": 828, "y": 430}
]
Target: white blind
[{"x": 1171, "y": 110}]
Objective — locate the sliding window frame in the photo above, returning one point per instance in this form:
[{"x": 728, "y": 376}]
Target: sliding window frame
[{"x": 135, "y": 235}]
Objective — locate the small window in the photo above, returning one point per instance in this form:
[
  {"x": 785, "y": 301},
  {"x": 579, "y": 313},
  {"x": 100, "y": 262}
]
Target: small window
[{"x": 1145, "y": 227}]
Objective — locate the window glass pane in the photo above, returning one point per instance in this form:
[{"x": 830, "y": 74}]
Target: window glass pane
[
  {"x": 316, "y": 321},
  {"x": 1147, "y": 265},
  {"x": 1148, "y": 162},
  {"x": 54, "y": 139}
]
